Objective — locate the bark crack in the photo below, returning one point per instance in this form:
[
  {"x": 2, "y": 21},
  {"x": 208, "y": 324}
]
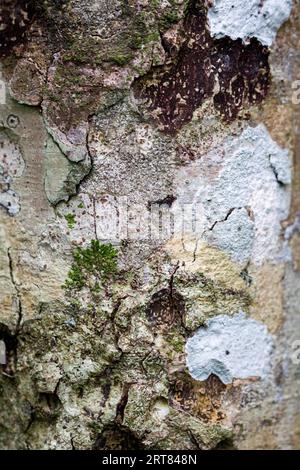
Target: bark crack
[
  {"x": 223, "y": 220},
  {"x": 122, "y": 403},
  {"x": 276, "y": 173},
  {"x": 17, "y": 290}
]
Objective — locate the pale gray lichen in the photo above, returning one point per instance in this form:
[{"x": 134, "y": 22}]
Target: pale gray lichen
[
  {"x": 72, "y": 144},
  {"x": 241, "y": 193},
  {"x": 231, "y": 348},
  {"x": 234, "y": 235},
  {"x": 9, "y": 199},
  {"x": 12, "y": 166},
  {"x": 245, "y": 20}
]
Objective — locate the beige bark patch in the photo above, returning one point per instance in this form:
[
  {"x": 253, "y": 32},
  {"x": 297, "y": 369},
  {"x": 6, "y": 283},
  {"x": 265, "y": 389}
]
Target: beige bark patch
[
  {"x": 199, "y": 257},
  {"x": 295, "y": 244},
  {"x": 268, "y": 295},
  {"x": 8, "y": 311}
]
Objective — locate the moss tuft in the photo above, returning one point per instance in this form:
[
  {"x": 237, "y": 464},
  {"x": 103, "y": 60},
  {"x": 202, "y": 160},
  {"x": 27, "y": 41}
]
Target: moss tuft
[
  {"x": 71, "y": 220},
  {"x": 119, "y": 58}
]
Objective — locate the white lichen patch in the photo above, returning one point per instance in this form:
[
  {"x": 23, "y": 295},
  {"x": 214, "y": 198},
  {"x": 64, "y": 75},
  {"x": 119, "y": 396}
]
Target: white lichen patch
[
  {"x": 9, "y": 199},
  {"x": 2, "y": 353},
  {"x": 11, "y": 159},
  {"x": 161, "y": 410},
  {"x": 235, "y": 235},
  {"x": 240, "y": 192},
  {"x": 245, "y": 20},
  {"x": 230, "y": 348}
]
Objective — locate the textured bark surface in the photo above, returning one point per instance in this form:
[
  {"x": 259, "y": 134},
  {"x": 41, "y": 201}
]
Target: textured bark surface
[{"x": 149, "y": 224}]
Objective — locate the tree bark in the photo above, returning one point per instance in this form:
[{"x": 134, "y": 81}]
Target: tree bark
[{"x": 149, "y": 224}]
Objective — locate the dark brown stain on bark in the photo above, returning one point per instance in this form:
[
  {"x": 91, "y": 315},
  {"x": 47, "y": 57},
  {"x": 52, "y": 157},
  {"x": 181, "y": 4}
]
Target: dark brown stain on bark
[
  {"x": 243, "y": 74},
  {"x": 21, "y": 19},
  {"x": 233, "y": 73},
  {"x": 15, "y": 16}
]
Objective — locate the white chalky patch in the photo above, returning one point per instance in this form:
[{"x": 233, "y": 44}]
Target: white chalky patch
[
  {"x": 11, "y": 159},
  {"x": 241, "y": 193},
  {"x": 230, "y": 348},
  {"x": 248, "y": 19},
  {"x": 235, "y": 235},
  {"x": 12, "y": 166},
  {"x": 10, "y": 201},
  {"x": 2, "y": 353}
]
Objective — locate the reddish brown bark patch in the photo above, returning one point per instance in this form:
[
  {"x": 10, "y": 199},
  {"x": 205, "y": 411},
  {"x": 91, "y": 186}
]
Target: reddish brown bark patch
[
  {"x": 174, "y": 91},
  {"x": 200, "y": 399}
]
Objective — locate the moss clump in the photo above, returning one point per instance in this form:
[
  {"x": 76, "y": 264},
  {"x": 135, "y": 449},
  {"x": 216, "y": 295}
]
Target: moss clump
[
  {"x": 170, "y": 18},
  {"x": 155, "y": 3},
  {"x": 120, "y": 59},
  {"x": 83, "y": 51},
  {"x": 71, "y": 220},
  {"x": 176, "y": 341},
  {"x": 92, "y": 267}
]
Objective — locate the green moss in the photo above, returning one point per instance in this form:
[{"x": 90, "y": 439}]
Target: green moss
[
  {"x": 137, "y": 29},
  {"x": 69, "y": 75},
  {"x": 170, "y": 18},
  {"x": 75, "y": 303},
  {"x": 155, "y": 3},
  {"x": 92, "y": 266},
  {"x": 151, "y": 37},
  {"x": 95, "y": 426},
  {"x": 141, "y": 39},
  {"x": 71, "y": 220},
  {"x": 120, "y": 59},
  {"x": 176, "y": 341},
  {"x": 77, "y": 53},
  {"x": 50, "y": 96}
]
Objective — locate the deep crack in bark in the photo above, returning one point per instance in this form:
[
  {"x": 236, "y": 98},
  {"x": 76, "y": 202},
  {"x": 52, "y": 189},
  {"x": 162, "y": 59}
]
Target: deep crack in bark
[{"x": 17, "y": 291}]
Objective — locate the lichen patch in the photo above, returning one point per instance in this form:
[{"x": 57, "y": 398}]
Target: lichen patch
[
  {"x": 245, "y": 20},
  {"x": 241, "y": 210},
  {"x": 12, "y": 166},
  {"x": 230, "y": 348}
]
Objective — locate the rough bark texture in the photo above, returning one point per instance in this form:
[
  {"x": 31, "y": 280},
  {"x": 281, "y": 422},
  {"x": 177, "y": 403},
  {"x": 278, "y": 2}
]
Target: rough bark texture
[{"x": 150, "y": 227}]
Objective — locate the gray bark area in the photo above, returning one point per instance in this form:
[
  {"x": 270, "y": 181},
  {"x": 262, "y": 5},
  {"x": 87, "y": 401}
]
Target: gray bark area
[{"x": 149, "y": 224}]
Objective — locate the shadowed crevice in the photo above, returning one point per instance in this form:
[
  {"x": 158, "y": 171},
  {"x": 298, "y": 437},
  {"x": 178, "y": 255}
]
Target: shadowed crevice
[{"x": 234, "y": 74}]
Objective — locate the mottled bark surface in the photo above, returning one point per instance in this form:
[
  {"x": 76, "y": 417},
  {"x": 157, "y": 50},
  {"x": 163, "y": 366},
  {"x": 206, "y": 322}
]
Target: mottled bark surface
[{"x": 149, "y": 224}]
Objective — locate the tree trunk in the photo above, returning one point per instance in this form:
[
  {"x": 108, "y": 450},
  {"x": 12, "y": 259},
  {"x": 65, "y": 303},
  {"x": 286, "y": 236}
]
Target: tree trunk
[{"x": 149, "y": 224}]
